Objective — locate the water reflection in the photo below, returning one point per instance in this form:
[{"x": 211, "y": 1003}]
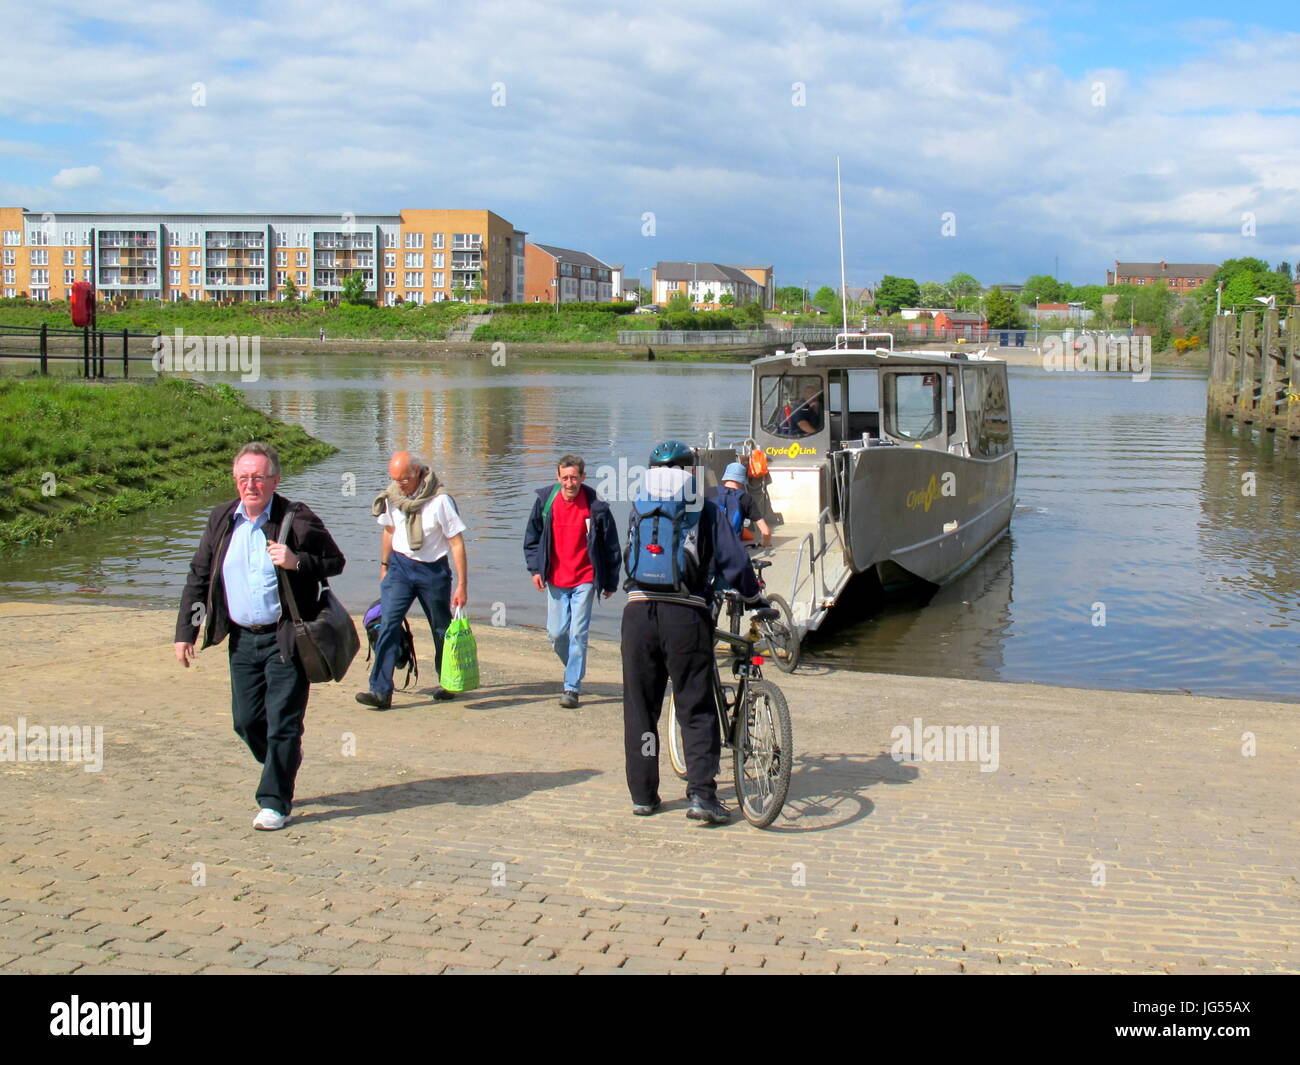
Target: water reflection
[{"x": 1138, "y": 560}]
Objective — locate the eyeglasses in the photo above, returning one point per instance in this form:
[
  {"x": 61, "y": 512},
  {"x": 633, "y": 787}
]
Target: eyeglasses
[{"x": 253, "y": 478}]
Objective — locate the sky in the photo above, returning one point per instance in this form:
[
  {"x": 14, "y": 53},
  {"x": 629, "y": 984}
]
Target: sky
[{"x": 997, "y": 139}]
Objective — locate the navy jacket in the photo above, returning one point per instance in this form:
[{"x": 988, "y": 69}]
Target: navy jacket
[
  {"x": 722, "y": 555},
  {"x": 602, "y": 539}
]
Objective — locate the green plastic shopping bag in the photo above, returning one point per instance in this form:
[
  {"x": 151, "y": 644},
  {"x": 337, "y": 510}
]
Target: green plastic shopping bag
[{"x": 459, "y": 655}]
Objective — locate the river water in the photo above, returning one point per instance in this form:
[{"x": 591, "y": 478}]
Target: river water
[{"x": 1147, "y": 552}]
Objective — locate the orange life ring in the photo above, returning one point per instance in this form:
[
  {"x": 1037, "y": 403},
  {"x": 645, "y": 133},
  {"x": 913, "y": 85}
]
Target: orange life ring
[{"x": 757, "y": 464}]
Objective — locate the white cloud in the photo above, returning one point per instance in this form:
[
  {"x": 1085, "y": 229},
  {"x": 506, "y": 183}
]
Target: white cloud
[
  {"x": 314, "y": 107},
  {"x": 76, "y": 177}
]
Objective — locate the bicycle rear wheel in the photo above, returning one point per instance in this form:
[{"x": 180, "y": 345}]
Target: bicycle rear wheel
[
  {"x": 781, "y": 637},
  {"x": 676, "y": 749},
  {"x": 764, "y": 749}
]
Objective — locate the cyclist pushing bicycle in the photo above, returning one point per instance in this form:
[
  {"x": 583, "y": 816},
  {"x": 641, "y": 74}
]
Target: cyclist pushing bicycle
[{"x": 677, "y": 542}]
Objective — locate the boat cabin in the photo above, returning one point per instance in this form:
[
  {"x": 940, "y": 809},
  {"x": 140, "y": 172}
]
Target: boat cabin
[{"x": 807, "y": 405}]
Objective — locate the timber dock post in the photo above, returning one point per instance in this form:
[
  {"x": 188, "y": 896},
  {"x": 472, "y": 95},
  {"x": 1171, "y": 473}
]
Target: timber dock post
[{"x": 1255, "y": 371}]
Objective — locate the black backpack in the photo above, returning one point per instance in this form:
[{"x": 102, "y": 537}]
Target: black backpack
[{"x": 406, "y": 652}]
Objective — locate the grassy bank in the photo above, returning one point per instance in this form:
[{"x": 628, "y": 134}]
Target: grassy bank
[
  {"x": 345, "y": 321},
  {"x": 73, "y": 453}
]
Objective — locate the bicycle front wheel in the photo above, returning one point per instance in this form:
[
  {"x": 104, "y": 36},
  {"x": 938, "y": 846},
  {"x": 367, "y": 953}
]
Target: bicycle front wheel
[
  {"x": 764, "y": 749},
  {"x": 781, "y": 637},
  {"x": 676, "y": 749}
]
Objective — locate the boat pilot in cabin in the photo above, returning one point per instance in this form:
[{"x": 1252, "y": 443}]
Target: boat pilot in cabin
[{"x": 806, "y": 419}]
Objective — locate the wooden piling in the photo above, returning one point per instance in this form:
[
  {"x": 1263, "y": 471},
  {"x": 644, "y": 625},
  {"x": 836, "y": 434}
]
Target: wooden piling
[{"x": 1255, "y": 371}]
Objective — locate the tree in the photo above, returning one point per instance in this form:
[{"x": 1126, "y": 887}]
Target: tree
[
  {"x": 964, "y": 291},
  {"x": 727, "y": 300},
  {"x": 1042, "y": 288},
  {"x": 896, "y": 292},
  {"x": 826, "y": 298},
  {"x": 789, "y": 298},
  {"x": 1243, "y": 280},
  {"x": 1146, "y": 305},
  {"x": 1089, "y": 295},
  {"x": 749, "y": 315},
  {"x": 1284, "y": 269},
  {"x": 354, "y": 287},
  {"x": 708, "y": 296},
  {"x": 1001, "y": 311},
  {"x": 934, "y": 295},
  {"x": 289, "y": 291},
  {"x": 679, "y": 302}
]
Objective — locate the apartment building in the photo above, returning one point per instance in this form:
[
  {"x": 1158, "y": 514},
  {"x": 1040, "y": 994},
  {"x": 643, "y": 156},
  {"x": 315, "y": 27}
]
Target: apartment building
[
  {"x": 414, "y": 256},
  {"x": 698, "y": 280},
  {"x": 561, "y": 275},
  {"x": 1181, "y": 277}
]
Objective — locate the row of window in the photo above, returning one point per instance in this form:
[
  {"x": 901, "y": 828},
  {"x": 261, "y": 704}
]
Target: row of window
[
  {"x": 583, "y": 272},
  {"x": 39, "y": 237}
]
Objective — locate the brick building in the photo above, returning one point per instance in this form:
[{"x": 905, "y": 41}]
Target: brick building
[
  {"x": 1181, "y": 277},
  {"x": 414, "y": 256},
  {"x": 561, "y": 275}
]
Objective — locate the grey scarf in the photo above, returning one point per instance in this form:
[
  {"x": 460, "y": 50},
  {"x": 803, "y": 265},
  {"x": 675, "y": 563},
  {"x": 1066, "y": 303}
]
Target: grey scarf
[{"x": 411, "y": 506}]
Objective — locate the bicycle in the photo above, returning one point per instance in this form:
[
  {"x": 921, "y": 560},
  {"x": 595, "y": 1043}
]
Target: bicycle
[
  {"x": 779, "y": 634},
  {"x": 754, "y": 720}
]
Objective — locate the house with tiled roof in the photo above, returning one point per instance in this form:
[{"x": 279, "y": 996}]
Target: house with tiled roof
[
  {"x": 1181, "y": 277},
  {"x": 561, "y": 275},
  {"x": 699, "y": 279}
]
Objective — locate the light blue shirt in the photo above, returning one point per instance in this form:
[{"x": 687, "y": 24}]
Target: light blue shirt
[{"x": 252, "y": 589}]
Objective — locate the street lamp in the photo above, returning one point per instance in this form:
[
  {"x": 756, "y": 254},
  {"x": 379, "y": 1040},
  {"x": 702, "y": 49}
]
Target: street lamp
[{"x": 695, "y": 283}]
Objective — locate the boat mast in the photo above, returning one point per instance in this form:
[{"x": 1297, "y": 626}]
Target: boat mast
[{"x": 844, "y": 292}]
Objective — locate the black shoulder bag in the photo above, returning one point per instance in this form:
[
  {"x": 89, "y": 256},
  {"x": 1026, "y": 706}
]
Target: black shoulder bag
[{"x": 327, "y": 644}]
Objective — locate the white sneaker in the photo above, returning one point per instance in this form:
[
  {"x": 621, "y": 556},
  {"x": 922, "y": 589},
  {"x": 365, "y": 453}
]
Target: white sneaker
[{"x": 270, "y": 820}]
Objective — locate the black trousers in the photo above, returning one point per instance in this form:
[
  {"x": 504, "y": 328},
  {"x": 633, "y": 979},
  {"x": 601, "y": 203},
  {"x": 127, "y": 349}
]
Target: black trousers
[
  {"x": 269, "y": 701},
  {"x": 662, "y": 641}
]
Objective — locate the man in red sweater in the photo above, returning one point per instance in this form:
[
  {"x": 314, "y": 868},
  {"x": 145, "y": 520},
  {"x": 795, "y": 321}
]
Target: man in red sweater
[{"x": 572, "y": 550}]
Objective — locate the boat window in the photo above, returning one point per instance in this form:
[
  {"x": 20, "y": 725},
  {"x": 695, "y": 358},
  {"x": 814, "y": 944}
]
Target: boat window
[
  {"x": 988, "y": 422},
  {"x": 858, "y": 414},
  {"x": 791, "y": 404},
  {"x": 913, "y": 405}
]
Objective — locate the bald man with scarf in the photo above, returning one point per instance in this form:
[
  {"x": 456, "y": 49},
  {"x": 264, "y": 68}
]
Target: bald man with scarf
[{"x": 421, "y": 530}]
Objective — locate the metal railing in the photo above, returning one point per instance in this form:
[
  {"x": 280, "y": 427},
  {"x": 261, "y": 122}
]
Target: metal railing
[
  {"x": 726, "y": 336},
  {"x": 94, "y": 348},
  {"x": 822, "y": 595}
]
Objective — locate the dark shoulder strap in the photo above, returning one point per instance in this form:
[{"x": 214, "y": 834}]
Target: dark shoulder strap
[{"x": 286, "y": 523}]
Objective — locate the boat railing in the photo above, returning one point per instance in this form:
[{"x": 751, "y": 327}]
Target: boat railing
[
  {"x": 861, "y": 341},
  {"x": 820, "y": 595}
]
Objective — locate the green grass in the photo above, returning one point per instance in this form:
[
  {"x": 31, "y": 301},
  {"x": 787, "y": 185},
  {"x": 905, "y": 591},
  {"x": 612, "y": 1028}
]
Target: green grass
[
  {"x": 343, "y": 322},
  {"x": 72, "y": 453},
  {"x": 566, "y": 327}
]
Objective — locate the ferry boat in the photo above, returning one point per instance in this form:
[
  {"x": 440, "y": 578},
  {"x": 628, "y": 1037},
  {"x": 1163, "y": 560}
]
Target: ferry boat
[{"x": 897, "y": 462}]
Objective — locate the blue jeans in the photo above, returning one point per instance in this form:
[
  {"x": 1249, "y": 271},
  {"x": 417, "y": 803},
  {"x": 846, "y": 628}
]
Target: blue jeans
[
  {"x": 568, "y": 617},
  {"x": 409, "y": 579}
]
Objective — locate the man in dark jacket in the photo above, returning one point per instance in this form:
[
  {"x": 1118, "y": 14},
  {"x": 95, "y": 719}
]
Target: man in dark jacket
[
  {"x": 669, "y": 635},
  {"x": 235, "y": 588},
  {"x": 571, "y": 548}
]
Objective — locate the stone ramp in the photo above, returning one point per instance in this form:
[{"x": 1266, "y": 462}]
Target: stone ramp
[
  {"x": 465, "y": 330},
  {"x": 1119, "y": 832}
]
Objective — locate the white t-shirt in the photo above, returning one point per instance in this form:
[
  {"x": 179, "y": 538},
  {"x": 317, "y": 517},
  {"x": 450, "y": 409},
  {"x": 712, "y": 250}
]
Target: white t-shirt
[{"x": 440, "y": 521}]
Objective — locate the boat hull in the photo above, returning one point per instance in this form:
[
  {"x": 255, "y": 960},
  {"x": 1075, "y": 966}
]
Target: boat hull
[{"x": 927, "y": 513}]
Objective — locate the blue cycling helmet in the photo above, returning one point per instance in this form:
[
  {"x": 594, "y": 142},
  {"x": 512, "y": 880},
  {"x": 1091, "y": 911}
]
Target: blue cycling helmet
[{"x": 672, "y": 453}]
